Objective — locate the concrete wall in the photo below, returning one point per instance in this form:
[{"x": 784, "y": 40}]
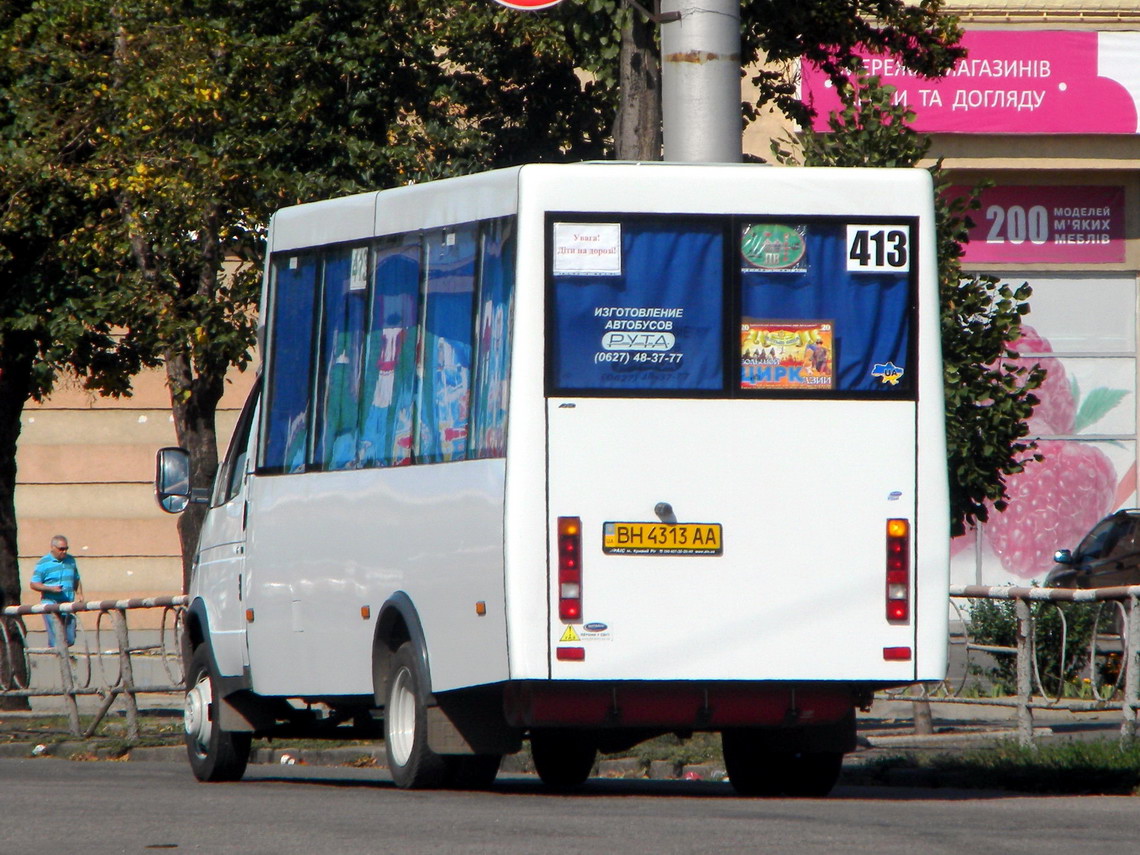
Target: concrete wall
[{"x": 86, "y": 469}]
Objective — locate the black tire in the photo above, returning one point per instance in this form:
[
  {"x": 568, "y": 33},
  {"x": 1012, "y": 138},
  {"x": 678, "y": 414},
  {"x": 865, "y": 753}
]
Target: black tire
[
  {"x": 412, "y": 764},
  {"x": 813, "y": 774},
  {"x": 472, "y": 771},
  {"x": 215, "y": 754},
  {"x": 562, "y": 758},
  {"x": 745, "y": 760},
  {"x": 754, "y": 769}
]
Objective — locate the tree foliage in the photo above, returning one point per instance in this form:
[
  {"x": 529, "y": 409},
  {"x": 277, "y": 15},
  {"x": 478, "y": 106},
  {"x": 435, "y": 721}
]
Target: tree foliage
[
  {"x": 779, "y": 32},
  {"x": 988, "y": 398},
  {"x": 180, "y": 125},
  {"x": 616, "y": 43},
  {"x": 51, "y": 322}
]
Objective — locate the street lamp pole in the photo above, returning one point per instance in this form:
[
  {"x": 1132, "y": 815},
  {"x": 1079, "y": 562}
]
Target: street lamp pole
[{"x": 700, "y": 81}]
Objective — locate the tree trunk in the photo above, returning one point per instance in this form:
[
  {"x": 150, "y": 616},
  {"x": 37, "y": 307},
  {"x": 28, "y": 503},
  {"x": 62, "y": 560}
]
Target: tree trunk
[
  {"x": 17, "y": 353},
  {"x": 637, "y": 128},
  {"x": 923, "y": 717},
  {"x": 196, "y": 428}
]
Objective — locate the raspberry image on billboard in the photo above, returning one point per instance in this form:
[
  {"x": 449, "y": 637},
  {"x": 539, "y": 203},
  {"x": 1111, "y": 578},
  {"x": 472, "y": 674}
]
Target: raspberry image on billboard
[
  {"x": 1057, "y": 412},
  {"x": 1052, "y": 505}
]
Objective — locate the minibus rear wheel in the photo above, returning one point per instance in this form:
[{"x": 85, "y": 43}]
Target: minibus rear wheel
[
  {"x": 215, "y": 754},
  {"x": 412, "y": 764},
  {"x": 755, "y": 769},
  {"x": 472, "y": 771},
  {"x": 563, "y": 759}
]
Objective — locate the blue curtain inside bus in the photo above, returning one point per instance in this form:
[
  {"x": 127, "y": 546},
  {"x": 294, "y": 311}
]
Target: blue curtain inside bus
[
  {"x": 870, "y": 313},
  {"x": 443, "y": 401},
  {"x": 342, "y": 352},
  {"x": 287, "y": 398},
  {"x": 656, "y": 325},
  {"x": 493, "y": 340},
  {"x": 390, "y": 363}
]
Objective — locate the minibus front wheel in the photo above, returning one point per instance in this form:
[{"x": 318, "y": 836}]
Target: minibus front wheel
[{"x": 215, "y": 754}]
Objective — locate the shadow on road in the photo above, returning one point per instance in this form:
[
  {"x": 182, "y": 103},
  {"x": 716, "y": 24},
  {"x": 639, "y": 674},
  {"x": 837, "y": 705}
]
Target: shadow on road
[{"x": 529, "y": 786}]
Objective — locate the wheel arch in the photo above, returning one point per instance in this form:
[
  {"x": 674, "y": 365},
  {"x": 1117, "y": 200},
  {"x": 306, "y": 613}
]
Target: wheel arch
[
  {"x": 399, "y": 622},
  {"x": 195, "y": 630}
]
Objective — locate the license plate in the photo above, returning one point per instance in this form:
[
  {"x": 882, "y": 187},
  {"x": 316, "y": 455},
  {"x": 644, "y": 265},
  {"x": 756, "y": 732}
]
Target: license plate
[{"x": 643, "y": 538}]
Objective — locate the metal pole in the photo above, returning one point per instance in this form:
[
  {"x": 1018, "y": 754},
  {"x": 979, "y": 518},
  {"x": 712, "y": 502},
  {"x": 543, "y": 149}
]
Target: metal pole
[
  {"x": 1024, "y": 673},
  {"x": 67, "y": 679},
  {"x": 127, "y": 673},
  {"x": 1132, "y": 674},
  {"x": 700, "y": 81}
]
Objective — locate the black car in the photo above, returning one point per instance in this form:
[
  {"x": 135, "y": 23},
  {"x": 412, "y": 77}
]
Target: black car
[{"x": 1107, "y": 556}]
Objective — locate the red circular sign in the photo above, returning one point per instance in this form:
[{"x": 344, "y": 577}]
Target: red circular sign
[{"x": 528, "y": 5}]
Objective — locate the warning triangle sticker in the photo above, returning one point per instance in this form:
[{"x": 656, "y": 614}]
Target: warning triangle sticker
[{"x": 569, "y": 635}]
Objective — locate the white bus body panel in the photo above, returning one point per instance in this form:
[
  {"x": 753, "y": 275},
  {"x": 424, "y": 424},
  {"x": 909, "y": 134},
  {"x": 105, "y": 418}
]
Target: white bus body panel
[
  {"x": 803, "y": 488},
  {"x": 324, "y": 545},
  {"x": 798, "y": 592},
  {"x": 216, "y": 582}
]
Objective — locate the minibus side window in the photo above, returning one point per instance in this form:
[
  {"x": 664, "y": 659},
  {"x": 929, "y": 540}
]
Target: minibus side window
[
  {"x": 292, "y": 309},
  {"x": 444, "y": 375},
  {"x": 231, "y": 473},
  {"x": 341, "y": 356},
  {"x": 493, "y": 339},
  {"x": 387, "y": 402}
]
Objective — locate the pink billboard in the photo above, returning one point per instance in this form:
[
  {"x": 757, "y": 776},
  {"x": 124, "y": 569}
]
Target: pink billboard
[
  {"x": 1014, "y": 82},
  {"x": 1047, "y": 223}
]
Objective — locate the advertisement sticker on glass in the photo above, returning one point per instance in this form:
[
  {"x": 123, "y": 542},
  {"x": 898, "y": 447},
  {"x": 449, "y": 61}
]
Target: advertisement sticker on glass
[
  {"x": 587, "y": 249},
  {"x": 787, "y": 354},
  {"x": 773, "y": 248}
]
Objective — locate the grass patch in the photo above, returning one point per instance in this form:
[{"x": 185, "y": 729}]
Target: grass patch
[
  {"x": 1070, "y": 768},
  {"x": 48, "y": 729}
]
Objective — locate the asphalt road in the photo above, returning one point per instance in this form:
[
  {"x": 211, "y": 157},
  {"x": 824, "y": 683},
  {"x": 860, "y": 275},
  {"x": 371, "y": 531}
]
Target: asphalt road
[{"x": 100, "y": 808}]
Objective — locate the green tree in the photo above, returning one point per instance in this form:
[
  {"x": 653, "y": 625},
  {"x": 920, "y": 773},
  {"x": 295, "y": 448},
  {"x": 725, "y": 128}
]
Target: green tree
[
  {"x": 53, "y": 320},
  {"x": 192, "y": 121},
  {"x": 988, "y": 398},
  {"x": 617, "y": 43}
]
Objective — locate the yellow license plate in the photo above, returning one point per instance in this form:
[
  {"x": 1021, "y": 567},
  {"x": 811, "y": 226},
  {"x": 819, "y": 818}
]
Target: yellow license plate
[{"x": 643, "y": 538}]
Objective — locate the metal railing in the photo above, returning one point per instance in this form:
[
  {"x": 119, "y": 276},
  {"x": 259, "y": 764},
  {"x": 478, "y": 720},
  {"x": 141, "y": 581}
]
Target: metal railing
[
  {"x": 1030, "y": 691},
  {"x": 108, "y": 670},
  {"x": 103, "y": 660}
]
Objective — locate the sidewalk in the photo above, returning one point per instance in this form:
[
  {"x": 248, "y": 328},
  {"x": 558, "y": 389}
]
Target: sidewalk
[{"x": 890, "y": 725}]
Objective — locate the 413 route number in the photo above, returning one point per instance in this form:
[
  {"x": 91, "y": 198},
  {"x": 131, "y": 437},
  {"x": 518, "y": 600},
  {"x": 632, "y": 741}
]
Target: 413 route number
[{"x": 875, "y": 249}]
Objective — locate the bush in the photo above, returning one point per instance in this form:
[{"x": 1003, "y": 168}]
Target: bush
[{"x": 1063, "y": 635}]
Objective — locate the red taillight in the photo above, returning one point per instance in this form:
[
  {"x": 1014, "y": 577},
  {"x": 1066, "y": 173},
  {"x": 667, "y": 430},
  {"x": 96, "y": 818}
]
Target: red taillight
[
  {"x": 898, "y": 570},
  {"x": 570, "y": 568}
]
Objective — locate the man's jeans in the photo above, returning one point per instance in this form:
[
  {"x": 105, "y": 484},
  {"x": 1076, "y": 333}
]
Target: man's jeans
[{"x": 68, "y": 628}]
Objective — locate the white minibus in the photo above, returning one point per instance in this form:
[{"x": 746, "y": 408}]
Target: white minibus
[{"x": 575, "y": 456}]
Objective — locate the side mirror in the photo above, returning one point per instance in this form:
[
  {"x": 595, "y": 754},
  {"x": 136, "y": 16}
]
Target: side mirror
[
  {"x": 172, "y": 480},
  {"x": 1063, "y": 556}
]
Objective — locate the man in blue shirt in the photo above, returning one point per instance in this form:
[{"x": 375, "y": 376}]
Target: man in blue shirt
[{"x": 56, "y": 577}]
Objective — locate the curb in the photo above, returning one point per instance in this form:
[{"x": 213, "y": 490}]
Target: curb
[
  {"x": 958, "y": 739},
  {"x": 621, "y": 767}
]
